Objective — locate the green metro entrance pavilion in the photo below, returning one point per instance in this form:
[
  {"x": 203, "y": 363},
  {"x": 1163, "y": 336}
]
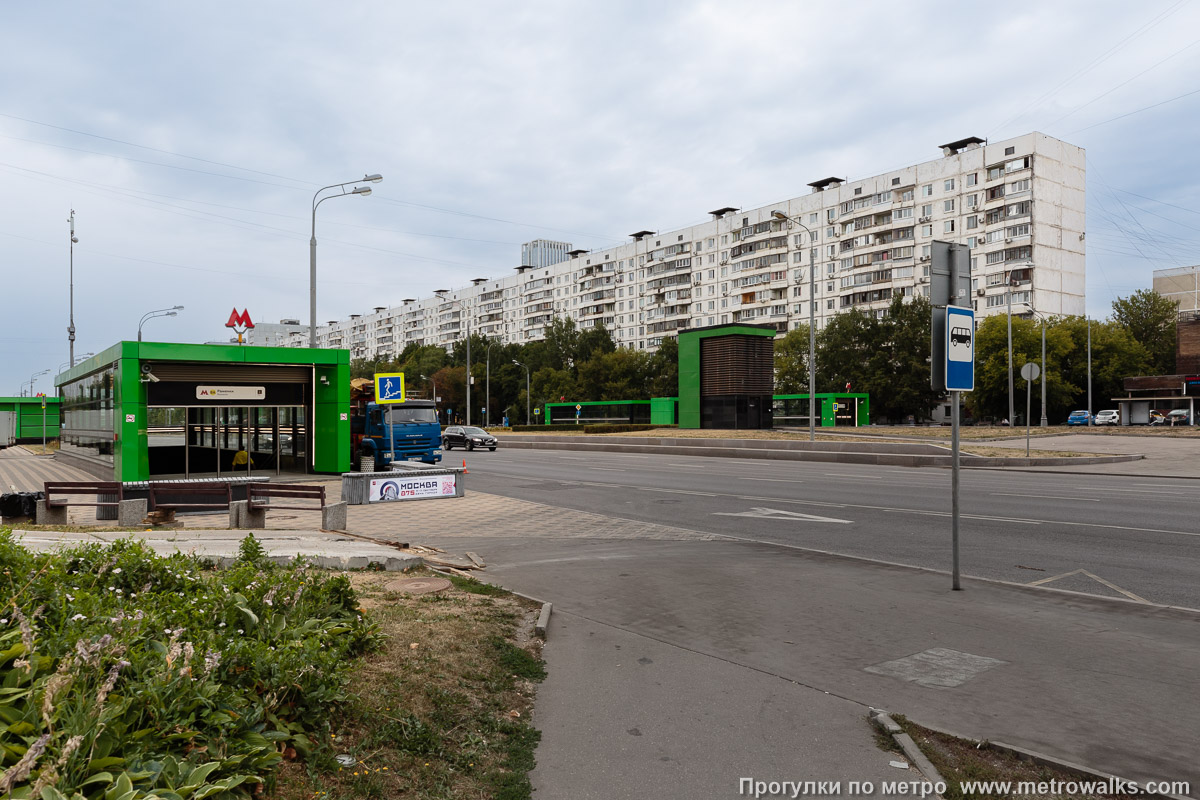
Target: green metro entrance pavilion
[{"x": 147, "y": 409}]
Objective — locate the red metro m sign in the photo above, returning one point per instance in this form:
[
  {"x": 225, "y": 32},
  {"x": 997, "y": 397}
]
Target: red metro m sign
[{"x": 239, "y": 322}]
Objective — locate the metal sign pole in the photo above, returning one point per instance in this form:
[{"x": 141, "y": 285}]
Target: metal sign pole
[
  {"x": 954, "y": 397},
  {"x": 391, "y": 434}
]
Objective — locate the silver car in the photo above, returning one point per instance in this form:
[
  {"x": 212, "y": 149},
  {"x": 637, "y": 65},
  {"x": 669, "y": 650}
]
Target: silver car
[{"x": 1107, "y": 418}]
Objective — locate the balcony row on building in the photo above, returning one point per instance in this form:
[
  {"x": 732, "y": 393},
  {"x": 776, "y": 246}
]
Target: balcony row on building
[{"x": 1019, "y": 205}]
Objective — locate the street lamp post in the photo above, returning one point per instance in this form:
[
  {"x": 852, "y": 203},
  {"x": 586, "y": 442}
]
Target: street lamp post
[
  {"x": 71, "y": 284},
  {"x": 34, "y": 377},
  {"x": 812, "y": 327},
  {"x": 487, "y": 412},
  {"x": 173, "y": 311},
  {"x": 463, "y": 308},
  {"x": 1042, "y": 318},
  {"x": 527, "y": 401},
  {"x": 312, "y": 245}
]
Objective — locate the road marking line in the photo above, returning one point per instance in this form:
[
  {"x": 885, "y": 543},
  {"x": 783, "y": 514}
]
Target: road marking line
[
  {"x": 770, "y": 480},
  {"x": 608, "y": 469},
  {"x": 1020, "y": 520},
  {"x": 1094, "y": 577},
  {"x": 773, "y": 513},
  {"x": 688, "y": 466},
  {"x": 1047, "y": 496},
  {"x": 1133, "y": 491}
]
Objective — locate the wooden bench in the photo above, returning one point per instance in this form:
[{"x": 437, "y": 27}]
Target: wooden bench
[
  {"x": 163, "y": 500},
  {"x": 264, "y": 497},
  {"x": 259, "y": 495},
  {"x": 59, "y": 495},
  {"x": 65, "y": 490}
]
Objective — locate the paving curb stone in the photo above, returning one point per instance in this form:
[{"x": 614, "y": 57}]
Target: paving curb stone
[
  {"x": 543, "y": 621},
  {"x": 1023, "y": 754},
  {"x": 914, "y": 754},
  {"x": 743, "y": 450}
]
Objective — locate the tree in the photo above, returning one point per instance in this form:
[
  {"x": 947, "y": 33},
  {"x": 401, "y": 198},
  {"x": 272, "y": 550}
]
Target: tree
[
  {"x": 623, "y": 374},
  {"x": 664, "y": 369},
  {"x": 561, "y": 339},
  {"x": 1150, "y": 319},
  {"x": 791, "y": 362},
  {"x": 592, "y": 342},
  {"x": 900, "y": 384}
]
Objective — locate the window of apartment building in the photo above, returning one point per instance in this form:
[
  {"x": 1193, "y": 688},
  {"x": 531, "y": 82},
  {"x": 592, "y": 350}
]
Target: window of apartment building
[
  {"x": 858, "y": 190},
  {"x": 813, "y": 235},
  {"x": 927, "y": 190},
  {"x": 1018, "y": 209},
  {"x": 1017, "y": 231},
  {"x": 724, "y": 271},
  {"x": 1008, "y": 151},
  {"x": 724, "y": 302},
  {"x": 829, "y": 304},
  {"x": 902, "y": 213},
  {"x": 1019, "y": 186},
  {"x": 906, "y": 195},
  {"x": 712, "y": 273},
  {"x": 972, "y": 242},
  {"x": 925, "y": 251},
  {"x": 972, "y": 221},
  {"x": 712, "y": 290},
  {"x": 798, "y": 257},
  {"x": 711, "y": 243},
  {"x": 972, "y": 178},
  {"x": 725, "y": 238},
  {"x": 949, "y": 185},
  {"x": 829, "y": 286},
  {"x": 927, "y": 230},
  {"x": 895, "y": 181},
  {"x": 996, "y": 258},
  {"x": 948, "y": 205},
  {"x": 831, "y": 250},
  {"x": 712, "y": 305},
  {"x": 995, "y": 193},
  {"x": 995, "y": 173},
  {"x": 831, "y": 231},
  {"x": 699, "y": 246},
  {"x": 972, "y": 200},
  {"x": 948, "y": 226},
  {"x": 927, "y": 210}
]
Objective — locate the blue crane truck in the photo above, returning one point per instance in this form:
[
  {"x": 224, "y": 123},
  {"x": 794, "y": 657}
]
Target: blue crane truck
[{"x": 407, "y": 431}]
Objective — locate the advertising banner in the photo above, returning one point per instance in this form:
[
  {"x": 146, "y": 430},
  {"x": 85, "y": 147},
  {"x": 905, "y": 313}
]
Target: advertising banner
[{"x": 384, "y": 490}]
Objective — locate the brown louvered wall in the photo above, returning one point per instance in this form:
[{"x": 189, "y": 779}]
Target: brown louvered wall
[{"x": 734, "y": 365}]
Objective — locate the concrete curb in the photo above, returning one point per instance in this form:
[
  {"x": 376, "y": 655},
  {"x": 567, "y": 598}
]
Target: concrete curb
[
  {"x": 1032, "y": 756},
  {"x": 906, "y": 743},
  {"x": 543, "y": 620},
  {"x": 861, "y": 456}
]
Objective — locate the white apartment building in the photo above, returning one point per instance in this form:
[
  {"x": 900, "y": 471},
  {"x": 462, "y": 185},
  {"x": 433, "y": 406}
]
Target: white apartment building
[
  {"x": 1181, "y": 284},
  {"x": 1019, "y": 204}
]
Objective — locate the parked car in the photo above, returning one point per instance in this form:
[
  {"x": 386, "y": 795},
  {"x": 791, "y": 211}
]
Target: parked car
[
  {"x": 1157, "y": 417},
  {"x": 470, "y": 438},
  {"x": 1111, "y": 417},
  {"x": 1078, "y": 418},
  {"x": 1179, "y": 416}
]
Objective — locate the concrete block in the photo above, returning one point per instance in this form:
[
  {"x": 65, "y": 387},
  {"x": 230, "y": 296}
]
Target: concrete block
[
  {"x": 333, "y": 517},
  {"x": 241, "y": 515},
  {"x": 329, "y": 562},
  {"x": 49, "y": 515},
  {"x": 357, "y": 562},
  {"x": 401, "y": 563},
  {"x": 235, "y": 513},
  {"x": 130, "y": 513}
]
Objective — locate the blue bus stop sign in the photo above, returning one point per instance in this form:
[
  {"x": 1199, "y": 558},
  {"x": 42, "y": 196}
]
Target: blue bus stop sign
[{"x": 960, "y": 349}]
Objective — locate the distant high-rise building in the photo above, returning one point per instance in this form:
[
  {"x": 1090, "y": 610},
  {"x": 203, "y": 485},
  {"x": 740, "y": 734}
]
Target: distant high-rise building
[{"x": 544, "y": 253}]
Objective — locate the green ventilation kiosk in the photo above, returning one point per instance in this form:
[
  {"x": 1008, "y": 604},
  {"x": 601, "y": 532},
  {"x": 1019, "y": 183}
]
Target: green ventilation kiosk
[{"x": 727, "y": 376}]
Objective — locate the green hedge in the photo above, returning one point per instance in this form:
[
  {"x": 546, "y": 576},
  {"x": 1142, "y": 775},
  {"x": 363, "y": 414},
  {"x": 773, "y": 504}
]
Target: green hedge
[{"x": 601, "y": 428}]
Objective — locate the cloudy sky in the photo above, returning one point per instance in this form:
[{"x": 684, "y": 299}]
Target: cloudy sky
[{"x": 190, "y": 138}]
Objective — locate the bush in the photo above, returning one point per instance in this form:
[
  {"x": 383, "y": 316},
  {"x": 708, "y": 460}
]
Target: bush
[
  {"x": 617, "y": 428},
  {"x": 133, "y": 675}
]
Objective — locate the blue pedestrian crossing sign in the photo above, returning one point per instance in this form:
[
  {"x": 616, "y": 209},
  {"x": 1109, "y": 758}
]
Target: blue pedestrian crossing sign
[
  {"x": 389, "y": 387},
  {"x": 960, "y": 349}
]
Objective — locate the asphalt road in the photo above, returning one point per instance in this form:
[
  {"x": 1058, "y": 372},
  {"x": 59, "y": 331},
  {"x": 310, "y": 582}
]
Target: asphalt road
[{"x": 1137, "y": 538}]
